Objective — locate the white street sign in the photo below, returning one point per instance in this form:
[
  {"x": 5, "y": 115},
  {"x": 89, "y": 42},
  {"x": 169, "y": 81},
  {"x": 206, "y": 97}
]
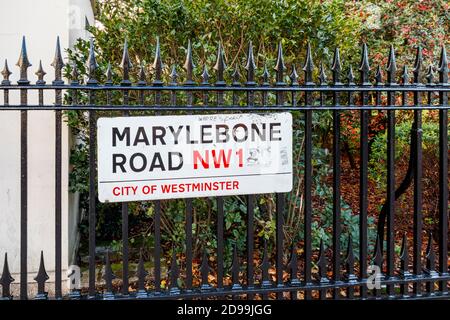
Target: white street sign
[{"x": 167, "y": 157}]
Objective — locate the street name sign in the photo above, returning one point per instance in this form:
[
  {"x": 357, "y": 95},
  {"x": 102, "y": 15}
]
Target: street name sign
[{"x": 188, "y": 156}]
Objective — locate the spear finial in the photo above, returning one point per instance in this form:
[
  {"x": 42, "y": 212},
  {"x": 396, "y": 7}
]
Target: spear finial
[
  {"x": 336, "y": 67},
  {"x": 40, "y": 74},
  {"x": 6, "y": 279},
  {"x": 405, "y": 76},
  {"x": 158, "y": 65},
  {"x": 23, "y": 63},
  {"x": 364, "y": 66},
  {"x": 431, "y": 257},
  {"x": 125, "y": 65},
  {"x": 109, "y": 74},
  {"x": 250, "y": 66},
  {"x": 265, "y": 76},
  {"x": 6, "y": 73},
  {"x": 189, "y": 65},
  {"x": 74, "y": 74},
  {"x": 322, "y": 75},
  {"x": 236, "y": 76},
  {"x": 220, "y": 66},
  {"x": 404, "y": 257},
  {"x": 443, "y": 66},
  {"x": 430, "y": 74},
  {"x": 280, "y": 67},
  {"x": 379, "y": 76},
  {"x": 92, "y": 63},
  {"x": 173, "y": 76},
  {"x": 391, "y": 67},
  {"x": 58, "y": 64},
  {"x": 418, "y": 65},
  {"x": 293, "y": 76},
  {"x": 205, "y": 75},
  {"x": 41, "y": 278},
  {"x": 204, "y": 271},
  {"x": 351, "y": 77},
  {"x": 142, "y": 76},
  {"x": 308, "y": 68}
]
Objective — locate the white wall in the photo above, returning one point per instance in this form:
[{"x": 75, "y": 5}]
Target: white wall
[{"x": 40, "y": 22}]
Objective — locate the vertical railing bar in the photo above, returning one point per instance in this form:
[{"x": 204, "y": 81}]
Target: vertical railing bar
[
  {"x": 363, "y": 174},
  {"x": 429, "y": 253},
  {"x": 417, "y": 218},
  {"x": 58, "y": 64},
  {"x": 92, "y": 66},
  {"x": 126, "y": 66},
  {"x": 308, "y": 200},
  {"x": 390, "y": 185},
  {"x": 220, "y": 82},
  {"x": 250, "y": 243},
  {"x": 363, "y": 198},
  {"x": 279, "y": 241},
  {"x": 250, "y": 67},
  {"x": 58, "y": 194},
  {"x": 279, "y": 197},
  {"x": 443, "y": 174},
  {"x": 157, "y": 249},
  {"x": 188, "y": 230},
  {"x": 23, "y": 196},
  {"x": 125, "y": 212},
  {"x": 189, "y": 67},
  {"x": 220, "y": 243},
  {"x": 308, "y": 69},
  {"x": 404, "y": 254},
  {"x": 92, "y": 209},
  {"x": 336, "y": 175},
  {"x": 23, "y": 64}
]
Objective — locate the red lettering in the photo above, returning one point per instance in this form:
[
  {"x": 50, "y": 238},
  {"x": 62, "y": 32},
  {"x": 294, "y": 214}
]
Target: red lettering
[
  {"x": 221, "y": 158},
  {"x": 204, "y": 161}
]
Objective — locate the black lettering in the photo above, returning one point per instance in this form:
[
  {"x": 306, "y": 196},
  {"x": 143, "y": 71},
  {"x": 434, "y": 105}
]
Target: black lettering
[
  {"x": 116, "y": 163},
  {"x": 132, "y": 163},
  {"x": 220, "y": 133},
  {"x": 188, "y": 136},
  {"x": 157, "y": 162},
  {"x": 261, "y": 134},
  {"x": 206, "y": 134},
  {"x": 121, "y": 136},
  {"x": 160, "y": 135},
  {"x": 180, "y": 161},
  {"x": 141, "y": 136},
  {"x": 235, "y": 129},
  {"x": 175, "y": 134},
  {"x": 273, "y": 132}
]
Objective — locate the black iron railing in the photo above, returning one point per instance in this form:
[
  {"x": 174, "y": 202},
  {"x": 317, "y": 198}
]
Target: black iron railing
[{"x": 412, "y": 279}]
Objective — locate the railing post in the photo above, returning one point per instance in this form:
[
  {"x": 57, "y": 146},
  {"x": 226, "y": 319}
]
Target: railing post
[
  {"x": 443, "y": 172},
  {"x": 363, "y": 176},
  {"x": 23, "y": 64}
]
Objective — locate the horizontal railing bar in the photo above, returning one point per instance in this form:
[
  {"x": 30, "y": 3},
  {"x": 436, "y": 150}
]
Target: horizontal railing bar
[
  {"x": 218, "y": 108},
  {"x": 343, "y": 88},
  {"x": 257, "y": 289}
]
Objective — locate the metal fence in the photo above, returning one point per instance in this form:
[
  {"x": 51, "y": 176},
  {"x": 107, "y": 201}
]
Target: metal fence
[{"x": 419, "y": 278}]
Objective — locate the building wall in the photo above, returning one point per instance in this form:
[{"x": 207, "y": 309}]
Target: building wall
[{"x": 40, "y": 22}]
